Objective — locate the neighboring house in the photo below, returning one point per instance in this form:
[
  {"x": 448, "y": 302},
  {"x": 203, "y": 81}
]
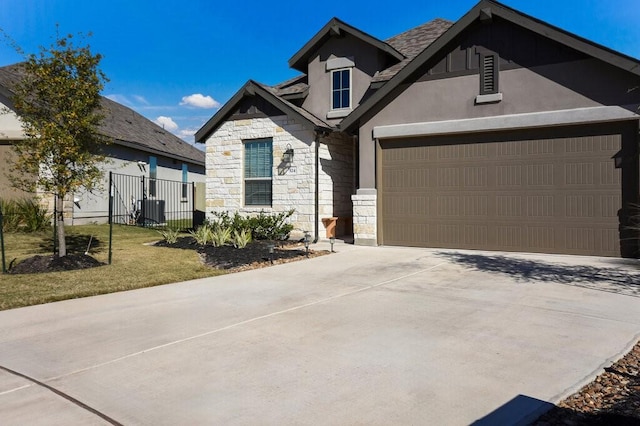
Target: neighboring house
[
  {"x": 496, "y": 132},
  {"x": 139, "y": 148}
]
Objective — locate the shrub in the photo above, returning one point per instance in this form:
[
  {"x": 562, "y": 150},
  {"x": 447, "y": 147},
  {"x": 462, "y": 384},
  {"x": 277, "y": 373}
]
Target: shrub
[
  {"x": 202, "y": 235},
  {"x": 236, "y": 222},
  {"x": 35, "y": 217},
  {"x": 220, "y": 236},
  {"x": 242, "y": 238},
  {"x": 264, "y": 226},
  {"x": 270, "y": 226},
  {"x": 24, "y": 215},
  {"x": 10, "y": 217},
  {"x": 170, "y": 235}
]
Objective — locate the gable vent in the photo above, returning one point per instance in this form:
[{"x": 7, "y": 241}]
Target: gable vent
[{"x": 488, "y": 75}]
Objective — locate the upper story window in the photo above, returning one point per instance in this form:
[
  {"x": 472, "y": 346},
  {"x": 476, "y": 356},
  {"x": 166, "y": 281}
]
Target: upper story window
[
  {"x": 341, "y": 74},
  {"x": 341, "y": 89}
]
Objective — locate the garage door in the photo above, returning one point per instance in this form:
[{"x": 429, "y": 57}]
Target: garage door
[{"x": 551, "y": 192}]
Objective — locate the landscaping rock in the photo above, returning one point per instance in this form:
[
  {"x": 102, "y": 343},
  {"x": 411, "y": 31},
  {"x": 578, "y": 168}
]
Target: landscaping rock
[{"x": 613, "y": 398}]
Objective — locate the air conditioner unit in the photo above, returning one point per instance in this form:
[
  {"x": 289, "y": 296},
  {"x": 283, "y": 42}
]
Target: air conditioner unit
[{"x": 153, "y": 211}]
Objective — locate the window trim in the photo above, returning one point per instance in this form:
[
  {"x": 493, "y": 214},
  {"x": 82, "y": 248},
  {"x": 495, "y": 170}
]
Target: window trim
[
  {"x": 255, "y": 179},
  {"x": 332, "y": 90}
]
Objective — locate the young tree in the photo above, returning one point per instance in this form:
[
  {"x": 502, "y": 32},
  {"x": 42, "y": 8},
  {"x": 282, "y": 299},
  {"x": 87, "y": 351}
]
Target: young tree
[{"x": 58, "y": 100}]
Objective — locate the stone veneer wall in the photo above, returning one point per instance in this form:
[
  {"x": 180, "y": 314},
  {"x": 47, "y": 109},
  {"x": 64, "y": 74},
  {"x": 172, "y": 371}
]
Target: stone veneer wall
[
  {"x": 294, "y": 185},
  {"x": 336, "y": 177},
  {"x": 365, "y": 217}
]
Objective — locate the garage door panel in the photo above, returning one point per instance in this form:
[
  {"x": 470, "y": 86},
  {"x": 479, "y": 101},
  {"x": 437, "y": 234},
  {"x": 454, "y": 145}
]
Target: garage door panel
[{"x": 557, "y": 195}]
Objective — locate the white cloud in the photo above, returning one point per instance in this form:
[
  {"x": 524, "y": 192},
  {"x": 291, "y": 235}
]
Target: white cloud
[
  {"x": 121, "y": 99},
  {"x": 186, "y": 133},
  {"x": 141, "y": 99},
  {"x": 198, "y": 100},
  {"x": 166, "y": 123}
]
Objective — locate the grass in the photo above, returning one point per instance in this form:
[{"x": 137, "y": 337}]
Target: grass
[{"x": 134, "y": 265}]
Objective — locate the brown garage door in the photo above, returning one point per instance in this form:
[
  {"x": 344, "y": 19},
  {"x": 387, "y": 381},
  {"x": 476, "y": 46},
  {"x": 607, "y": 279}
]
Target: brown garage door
[{"x": 553, "y": 191}]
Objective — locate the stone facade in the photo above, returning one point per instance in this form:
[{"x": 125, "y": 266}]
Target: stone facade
[
  {"x": 365, "y": 217},
  {"x": 293, "y": 184}
]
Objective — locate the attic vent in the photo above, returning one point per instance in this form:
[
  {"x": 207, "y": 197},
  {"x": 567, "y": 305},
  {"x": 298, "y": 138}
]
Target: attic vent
[{"x": 488, "y": 74}]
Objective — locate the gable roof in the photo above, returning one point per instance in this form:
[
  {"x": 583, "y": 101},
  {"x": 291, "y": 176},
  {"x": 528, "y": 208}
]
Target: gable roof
[
  {"x": 410, "y": 43},
  {"x": 485, "y": 9},
  {"x": 300, "y": 60},
  {"x": 270, "y": 94},
  {"x": 125, "y": 126}
]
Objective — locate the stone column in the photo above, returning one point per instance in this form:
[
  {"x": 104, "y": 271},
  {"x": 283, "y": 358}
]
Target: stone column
[{"x": 365, "y": 217}]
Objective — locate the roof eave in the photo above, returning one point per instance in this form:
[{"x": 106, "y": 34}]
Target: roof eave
[
  {"x": 250, "y": 88},
  {"x": 578, "y": 43},
  {"x": 145, "y": 148},
  {"x": 335, "y": 26}
]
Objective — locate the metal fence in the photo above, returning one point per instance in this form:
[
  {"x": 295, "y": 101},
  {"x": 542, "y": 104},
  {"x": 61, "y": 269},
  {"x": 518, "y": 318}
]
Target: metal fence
[{"x": 141, "y": 201}]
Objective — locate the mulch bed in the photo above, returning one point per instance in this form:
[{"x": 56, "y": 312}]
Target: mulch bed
[
  {"x": 39, "y": 264},
  {"x": 254, "y": 255},
  {"x": 613, "y": 398}
]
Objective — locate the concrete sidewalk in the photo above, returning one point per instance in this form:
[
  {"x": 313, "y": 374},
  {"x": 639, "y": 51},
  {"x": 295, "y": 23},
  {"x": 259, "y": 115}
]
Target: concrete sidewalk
[{"x": 363, "y": 336}]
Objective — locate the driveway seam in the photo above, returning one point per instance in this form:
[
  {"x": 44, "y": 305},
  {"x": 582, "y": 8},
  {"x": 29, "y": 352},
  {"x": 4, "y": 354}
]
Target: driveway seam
[
  {"x": 241, "y": 323},
  {"x": 69, "y": 398}
]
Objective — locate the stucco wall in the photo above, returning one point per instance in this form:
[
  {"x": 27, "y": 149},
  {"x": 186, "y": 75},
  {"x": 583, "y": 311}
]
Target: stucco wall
[
  {"x": 585, "y": 83},
  {"x": 6, "y": 189},
  {"x": 293, "y": 185},
  {"x": 367, "y": 61},
  {"x": 10, "y": 126}
]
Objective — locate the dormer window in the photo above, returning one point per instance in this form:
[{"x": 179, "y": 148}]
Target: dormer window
[
  {"x": 341, "y": 89},
  {"x": 341, "y": 97}
]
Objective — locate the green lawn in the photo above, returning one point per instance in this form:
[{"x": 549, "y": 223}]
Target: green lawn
[{"x": 134, "y": 265}]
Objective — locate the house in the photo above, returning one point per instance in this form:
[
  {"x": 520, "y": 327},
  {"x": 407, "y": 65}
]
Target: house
[
  {"x": 139, "y": 148},
  {"x": 497, "y": 132}
]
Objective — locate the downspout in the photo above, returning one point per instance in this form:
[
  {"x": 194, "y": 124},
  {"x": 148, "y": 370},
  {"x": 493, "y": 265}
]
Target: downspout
[{"x": 317, "y": 184}]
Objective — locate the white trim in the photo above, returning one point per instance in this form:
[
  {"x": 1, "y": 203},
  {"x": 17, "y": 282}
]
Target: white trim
[
  {"x": 491, "y": 98},
  {"x": 331, "y": 91},
  {"x": 507, "y": 122},
  {"x": 336, "y": 63},
  {"x": 339, "y": 113}
]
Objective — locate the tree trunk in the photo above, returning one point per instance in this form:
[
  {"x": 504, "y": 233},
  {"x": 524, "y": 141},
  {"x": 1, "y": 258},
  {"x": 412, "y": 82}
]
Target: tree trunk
[{"x": 62, "y": 241}]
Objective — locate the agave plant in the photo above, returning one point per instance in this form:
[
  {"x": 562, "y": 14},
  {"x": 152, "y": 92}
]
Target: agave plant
[
  {"x": 202, "y": 235},
  {"x": 241, "y": 238},
  {"x": 169, "y": 235},
  {"x": 220, "y": 236}
]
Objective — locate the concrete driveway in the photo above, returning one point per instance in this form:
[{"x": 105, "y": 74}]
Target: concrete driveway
[{"x": 363, "y": 336}]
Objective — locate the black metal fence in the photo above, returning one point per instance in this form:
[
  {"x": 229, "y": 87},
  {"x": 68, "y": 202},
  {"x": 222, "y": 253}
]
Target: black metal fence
[{"x": 141, "y": 201}]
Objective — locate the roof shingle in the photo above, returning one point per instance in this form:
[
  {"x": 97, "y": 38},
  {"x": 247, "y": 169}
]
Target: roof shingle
[
  {"x": 410, "y": 43},
  {"x": 125, "y": 126}
]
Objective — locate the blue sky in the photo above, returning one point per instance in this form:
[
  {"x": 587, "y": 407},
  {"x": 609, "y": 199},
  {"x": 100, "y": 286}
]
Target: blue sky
[{"x": 175, "y": 62}]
